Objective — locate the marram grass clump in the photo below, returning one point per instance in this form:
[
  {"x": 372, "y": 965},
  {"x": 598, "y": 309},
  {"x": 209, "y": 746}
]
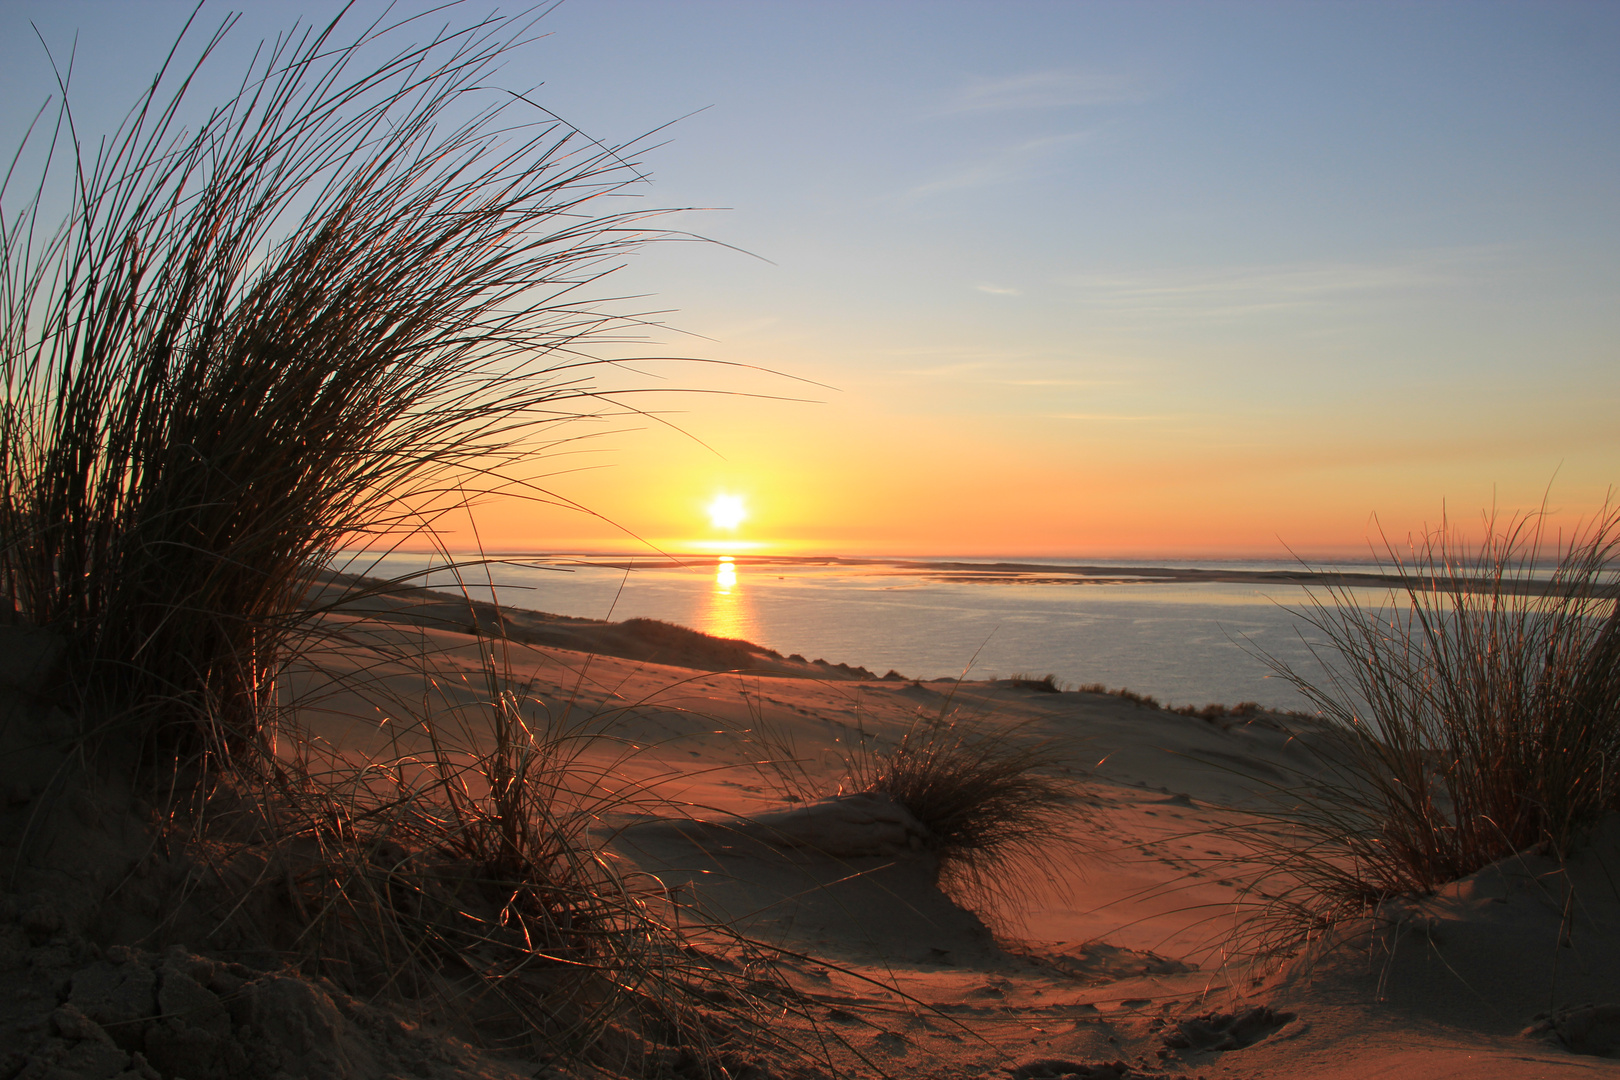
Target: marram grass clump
[
  {"x": 1472, "y": 714},
  {"x": 310, "y": 318},
  {"x": 989, "y": 796}
]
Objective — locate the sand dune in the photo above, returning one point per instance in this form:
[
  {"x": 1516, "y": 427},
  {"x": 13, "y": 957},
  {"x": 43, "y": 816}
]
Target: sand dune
[{"x": 1116, "y": 958}]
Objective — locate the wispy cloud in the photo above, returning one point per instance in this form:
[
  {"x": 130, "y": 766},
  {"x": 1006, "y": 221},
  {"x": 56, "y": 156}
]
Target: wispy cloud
[
  {"x": 999, "y": 290},
  {"x": 993, "y": 373},
  {"x": 1239, "y": 291},
  {"x": 1001, "y": 166},
  {"x": 980, "y": 367},
  {"x": 1049, "y": 90},
  {"x": 958, "y": 370},
  {"x": 1061, "y": 382}
]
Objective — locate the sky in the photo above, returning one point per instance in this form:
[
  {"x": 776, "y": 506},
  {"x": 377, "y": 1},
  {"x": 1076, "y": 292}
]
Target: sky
[{"x": 1066, "y": 279}]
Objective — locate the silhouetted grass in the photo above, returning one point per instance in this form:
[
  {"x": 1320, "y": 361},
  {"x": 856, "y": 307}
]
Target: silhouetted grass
[
  {"x": 1046, "y": 684},
  {"x": 313, "y": 317},
  {"x": 993, "y": 800},
  {"x": 1475, "y": 716},
  {"x": 1147, "y": 701}
]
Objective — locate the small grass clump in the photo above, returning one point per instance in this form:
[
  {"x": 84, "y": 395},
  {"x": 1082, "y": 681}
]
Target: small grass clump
[
  {"x": 1473, "y": 716},
  {"x": 1146, "y": 701},
  {"x": 987, "y": 796},
  {"x": 1215, "y": 712},
  {"x": 1046, "y": 684}
]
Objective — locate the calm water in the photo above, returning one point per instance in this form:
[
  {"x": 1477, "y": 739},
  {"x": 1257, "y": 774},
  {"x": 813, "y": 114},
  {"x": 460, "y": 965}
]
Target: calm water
[{"x": 1184, "y": 643}]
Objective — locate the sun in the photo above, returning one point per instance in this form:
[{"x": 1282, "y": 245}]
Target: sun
[{"x": 727, "y": 511}]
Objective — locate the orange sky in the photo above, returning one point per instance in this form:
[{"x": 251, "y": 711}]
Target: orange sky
[{"x": 853, "y": 476}]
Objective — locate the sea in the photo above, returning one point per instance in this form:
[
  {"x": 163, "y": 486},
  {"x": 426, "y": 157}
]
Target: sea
[{"x": 1159, "y": 630}]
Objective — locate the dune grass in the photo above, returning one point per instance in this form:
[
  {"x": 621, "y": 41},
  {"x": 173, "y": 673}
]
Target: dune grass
[
  {"x": 1474, "y": 716},
  {"x": 314, "y": 316},
  {"x": 1046, "y": 684},
  {"x": 467, "y": 874},
  {"x": 985, "y": 794},
  {"x": 993, "y": 800},
  {"x": 311, "y": 319}
]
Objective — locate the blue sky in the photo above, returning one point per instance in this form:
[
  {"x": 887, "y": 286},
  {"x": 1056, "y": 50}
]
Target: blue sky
[{"x": 1117, "y": 278}]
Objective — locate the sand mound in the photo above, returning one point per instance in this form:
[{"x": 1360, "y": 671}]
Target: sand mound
[
  {"x": 1529, "y": 944},
  {"x": 849, "y": 877},
  {"x": 89, "y": 875}
]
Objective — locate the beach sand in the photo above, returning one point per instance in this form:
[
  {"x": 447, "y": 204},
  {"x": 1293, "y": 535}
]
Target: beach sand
[{"x": 1118, "y": 956}]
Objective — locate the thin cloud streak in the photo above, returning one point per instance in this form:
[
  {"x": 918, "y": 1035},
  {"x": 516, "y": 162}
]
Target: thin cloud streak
[
  {"x": 1051, "y": 89},
  {"x": 947, "y": 371},
  {"x": 969, "y": 371},
  {"x": 1003, "y": 166},
  {"x": 1235, "y": 291},
  {"x": 1060, "y": 382}
]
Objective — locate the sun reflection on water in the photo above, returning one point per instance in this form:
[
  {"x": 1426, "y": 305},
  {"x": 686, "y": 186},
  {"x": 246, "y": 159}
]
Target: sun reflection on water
[{"x": 727, "y": 613}]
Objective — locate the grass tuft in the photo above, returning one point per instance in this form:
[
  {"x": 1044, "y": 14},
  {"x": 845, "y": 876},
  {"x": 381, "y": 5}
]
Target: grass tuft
[
  {"x": 1146, "y": 701},
  {"x": 988, "y": 797},
  {"x": 994, "y": 800},
  {"x": 1473, "y": 715},
  {"x": 1046, "y": 684}
]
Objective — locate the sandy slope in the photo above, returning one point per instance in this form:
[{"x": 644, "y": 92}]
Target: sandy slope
[{"x": 1111, "y": 960}]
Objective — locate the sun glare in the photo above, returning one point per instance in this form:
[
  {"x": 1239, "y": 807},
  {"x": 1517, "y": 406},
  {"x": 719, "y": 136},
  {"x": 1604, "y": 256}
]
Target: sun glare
[{"x": 727, "y": 511}]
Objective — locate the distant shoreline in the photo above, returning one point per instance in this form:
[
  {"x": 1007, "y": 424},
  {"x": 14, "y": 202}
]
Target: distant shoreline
[{"x": 958, "y": 571}]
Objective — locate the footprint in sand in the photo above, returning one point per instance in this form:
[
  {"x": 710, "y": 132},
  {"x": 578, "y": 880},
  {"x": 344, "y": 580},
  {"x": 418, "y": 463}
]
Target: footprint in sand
[
  {"x": 1588, "y": 1029},
  {"x": 1226, "y": 1031},
  {"x": 1099, "y": 962}
]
